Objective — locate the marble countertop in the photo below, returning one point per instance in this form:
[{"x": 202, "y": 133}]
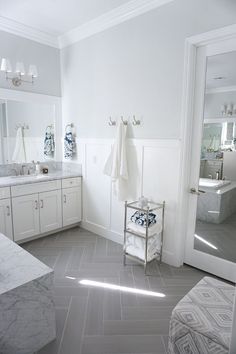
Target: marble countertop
[
  {"x": 16, "y": 180},
  {"x": 17, "y": 266}
]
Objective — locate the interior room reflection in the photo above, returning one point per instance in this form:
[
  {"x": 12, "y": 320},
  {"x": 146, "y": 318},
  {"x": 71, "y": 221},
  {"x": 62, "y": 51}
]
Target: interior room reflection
[
  {"x": 216, "y": 209},
  {"x": 26, "y": 132}
]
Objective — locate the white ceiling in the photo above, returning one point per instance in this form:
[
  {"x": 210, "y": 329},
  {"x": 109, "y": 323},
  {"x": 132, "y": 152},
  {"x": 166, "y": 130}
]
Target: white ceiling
[
  {"x": 224, "y": 66},
  {"x": 56, "y": 17}
]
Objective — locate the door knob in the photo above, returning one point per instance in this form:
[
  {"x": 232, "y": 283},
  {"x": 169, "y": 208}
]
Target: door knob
[{"x": 197, "y": 192}]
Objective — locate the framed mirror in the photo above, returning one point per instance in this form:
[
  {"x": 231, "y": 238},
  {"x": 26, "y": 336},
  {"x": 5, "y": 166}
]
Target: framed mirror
[{"x": 29, "y": 128}]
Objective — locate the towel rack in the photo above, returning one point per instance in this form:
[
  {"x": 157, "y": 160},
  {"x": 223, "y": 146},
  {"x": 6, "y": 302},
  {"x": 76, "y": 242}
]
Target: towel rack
[
  {"x": 136, "y": 121},
  {"x": 23, "y": 126},
  {"x": 49, "y": 126},
  {"x": 111, "y": 122},
  {"x": 125, "y": 122},
  {"x": 69, "y": 125}
]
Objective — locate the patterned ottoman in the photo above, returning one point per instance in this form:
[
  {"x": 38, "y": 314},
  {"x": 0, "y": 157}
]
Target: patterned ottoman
[{"x": 201, "y": 322}]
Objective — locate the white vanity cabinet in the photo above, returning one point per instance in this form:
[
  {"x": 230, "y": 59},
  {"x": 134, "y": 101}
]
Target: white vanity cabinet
[
  {"x": 25, "y": 211},
  {"x": 71, "y": 201},
  {"x": 39, "y": 208},
  {"x": 50, "y": 211},
  {"x": 5, "y": 213},
  {"x": 36, "y": 213}
]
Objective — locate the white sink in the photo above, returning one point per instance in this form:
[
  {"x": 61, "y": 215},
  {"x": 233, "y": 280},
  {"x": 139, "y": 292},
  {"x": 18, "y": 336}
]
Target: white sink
[{"x": 29, "y": 176}]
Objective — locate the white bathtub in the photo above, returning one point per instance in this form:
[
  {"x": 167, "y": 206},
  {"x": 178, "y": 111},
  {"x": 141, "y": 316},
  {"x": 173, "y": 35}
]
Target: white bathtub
[
  {"x": 212, "y": 183},
  {"x": 218, "y": 202}
]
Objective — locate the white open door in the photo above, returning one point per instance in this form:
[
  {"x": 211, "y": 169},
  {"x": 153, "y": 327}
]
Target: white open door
[{"x": 211, "y": 219}]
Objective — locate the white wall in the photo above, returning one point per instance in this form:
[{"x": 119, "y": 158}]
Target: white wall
[
  {"x": 46, "y": 58},
  {"x": 135, "y": 68}
]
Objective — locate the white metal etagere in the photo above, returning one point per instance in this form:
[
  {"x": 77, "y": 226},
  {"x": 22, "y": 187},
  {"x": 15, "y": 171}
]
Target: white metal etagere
[{"x": 149, "y": 208}]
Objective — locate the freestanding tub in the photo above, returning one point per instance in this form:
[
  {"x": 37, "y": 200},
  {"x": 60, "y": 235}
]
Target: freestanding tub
[
  {"x": 213, "y": 183},
  {"x": 218, "y": 202}
]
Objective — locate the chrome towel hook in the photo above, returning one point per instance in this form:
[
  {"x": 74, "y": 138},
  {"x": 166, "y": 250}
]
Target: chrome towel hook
[
  {"x": 125, "y": 122},
  {"x": 135, "y": 121},
  {"x": 111, "y": 122}
]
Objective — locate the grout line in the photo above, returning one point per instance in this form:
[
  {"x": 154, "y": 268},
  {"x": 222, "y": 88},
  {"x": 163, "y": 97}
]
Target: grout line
[
  {"x": 56, "y": 260},
  {"x": 163, "y": 342},
  {"x": 85, "y": 321},
  {"x": 64, "y": 327}
]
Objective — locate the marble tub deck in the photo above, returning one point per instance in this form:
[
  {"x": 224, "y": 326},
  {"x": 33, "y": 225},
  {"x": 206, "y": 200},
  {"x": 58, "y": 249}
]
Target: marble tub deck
[{"x": 27, "y": 313}]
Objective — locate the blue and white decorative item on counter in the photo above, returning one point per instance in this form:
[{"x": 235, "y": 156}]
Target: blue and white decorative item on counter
[
  {"x": 69, "y": 143},
  {"x": 49, "y": 143}
]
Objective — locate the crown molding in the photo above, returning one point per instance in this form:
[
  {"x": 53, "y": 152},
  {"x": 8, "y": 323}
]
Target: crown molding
[
  {"x": 221, "y": 89},
  {"x": 110, "y": 19},
  {"x": 22, "y": 30}
]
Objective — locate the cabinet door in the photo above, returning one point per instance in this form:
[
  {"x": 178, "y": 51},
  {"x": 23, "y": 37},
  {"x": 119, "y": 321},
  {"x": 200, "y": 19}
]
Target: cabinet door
[
  {"x": 50, "y": 210},
  {"x": 25, "y": 211},
  {"x": 71, "y": 205},
  {"x": 5, "y": 218}
]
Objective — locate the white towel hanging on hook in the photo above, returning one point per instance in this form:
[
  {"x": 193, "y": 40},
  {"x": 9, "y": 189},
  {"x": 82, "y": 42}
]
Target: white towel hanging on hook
[
  {"x": 117, "y": 166},
  {"x": 19, "y": 154}
]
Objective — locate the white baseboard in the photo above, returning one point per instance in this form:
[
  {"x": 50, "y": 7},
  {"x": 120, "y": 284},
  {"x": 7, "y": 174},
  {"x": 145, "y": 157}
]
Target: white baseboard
[
  {"x": 168, "y": 257},
  {"x": 110, "y": 235}
]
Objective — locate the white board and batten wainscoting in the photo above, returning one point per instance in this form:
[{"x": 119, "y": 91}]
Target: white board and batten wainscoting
[{"x": 154, "y": 171}]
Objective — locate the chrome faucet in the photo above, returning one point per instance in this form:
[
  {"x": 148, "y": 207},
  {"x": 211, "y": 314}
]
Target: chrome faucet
[
  {"x": 210, "y": 176},
  {"x": 218, "y": 175}
]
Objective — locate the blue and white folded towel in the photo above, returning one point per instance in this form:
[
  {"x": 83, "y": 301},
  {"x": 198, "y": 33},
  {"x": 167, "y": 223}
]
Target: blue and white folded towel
[
  {"x": 69, "y": 144},
  {"x": 49, "y": 143},
  {"x": 140, "y": 218}
]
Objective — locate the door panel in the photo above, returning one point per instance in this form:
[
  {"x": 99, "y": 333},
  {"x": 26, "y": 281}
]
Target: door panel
[
  {"x": 50, "y": 211},
  {"x": 71, "y": 205},
  {"x": 211, "y": 220},
  {"x": 6, "y": 218},
  {"x": 25, "y": 211}
]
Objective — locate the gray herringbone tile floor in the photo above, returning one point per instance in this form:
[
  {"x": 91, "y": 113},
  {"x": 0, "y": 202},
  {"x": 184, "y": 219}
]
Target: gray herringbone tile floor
[{"x": 102, "y": 321}]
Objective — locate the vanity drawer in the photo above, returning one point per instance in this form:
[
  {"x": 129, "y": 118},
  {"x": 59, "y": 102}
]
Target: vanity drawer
[
  {"x": 71, "y": 182},
  {"x": 32, "y": 188},
  {"x": 4, "y": 192}
]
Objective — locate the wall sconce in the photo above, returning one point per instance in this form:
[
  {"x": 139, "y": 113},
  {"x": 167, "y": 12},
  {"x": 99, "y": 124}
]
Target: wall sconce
[
  {"x": 228, "y": 110},
  {"x": 19, "y": 75}
]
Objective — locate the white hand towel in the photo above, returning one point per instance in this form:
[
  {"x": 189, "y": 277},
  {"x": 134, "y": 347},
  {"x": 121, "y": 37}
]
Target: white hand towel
[
  {"x": 116, "y": 166},
  {"x": 19, "y": 154}
]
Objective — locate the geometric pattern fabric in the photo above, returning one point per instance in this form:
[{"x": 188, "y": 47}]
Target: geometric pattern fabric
[{"x": 201, "y": 322}]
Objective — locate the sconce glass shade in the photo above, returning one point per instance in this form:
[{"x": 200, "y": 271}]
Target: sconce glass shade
[
  {"x": 20, "y": 69},
  {"x": 223, "y": 109},
  {"x": 234, "y": 109},
  {"x": 229, "y": 110},
  {"x": 33, "y": 71},
  {"x": 6, "y": 65}
]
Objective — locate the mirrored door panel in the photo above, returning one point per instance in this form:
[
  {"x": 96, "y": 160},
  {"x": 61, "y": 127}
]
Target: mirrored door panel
[{"x": 215, "y": 231}]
